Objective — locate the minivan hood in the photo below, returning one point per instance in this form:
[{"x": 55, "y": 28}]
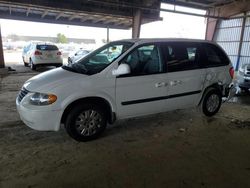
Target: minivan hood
[{"x": 51, "y": 79}]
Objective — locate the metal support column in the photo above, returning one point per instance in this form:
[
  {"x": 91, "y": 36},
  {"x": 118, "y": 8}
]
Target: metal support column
[
  {"x": 241, "y": 39},
  {"x": 211, "y": 26},
  {"x": 1, "y": 51},
  {"x": 107, "y": 34},
  {"x": 136, "y": 24}
]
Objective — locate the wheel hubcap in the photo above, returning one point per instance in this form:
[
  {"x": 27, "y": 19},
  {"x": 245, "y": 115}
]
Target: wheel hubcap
[
  {"x": 213, "y": 103},
  {"x": 88, "y": 122}
]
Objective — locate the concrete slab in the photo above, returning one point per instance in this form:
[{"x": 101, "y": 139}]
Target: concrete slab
[{"x": 3, "y": 71}]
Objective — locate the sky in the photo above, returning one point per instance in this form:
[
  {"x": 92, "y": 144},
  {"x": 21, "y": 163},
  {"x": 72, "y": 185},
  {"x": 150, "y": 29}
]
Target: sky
[{"x": 172, "y": 25}]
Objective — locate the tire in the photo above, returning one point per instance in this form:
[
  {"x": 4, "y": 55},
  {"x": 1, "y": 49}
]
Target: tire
[
  {"x": 211, "y": 101},
  {"x": 32, "y": 66},
  {"x": 81, "y": 126},
  {"x": 25, "y": 64}
]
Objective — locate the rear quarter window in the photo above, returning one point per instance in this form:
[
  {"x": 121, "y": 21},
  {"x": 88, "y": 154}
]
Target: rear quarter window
[
  {"x": 46, "y": 47},
  {"x": 181, "y": 56},
  {"x": 214, "y": 56}
]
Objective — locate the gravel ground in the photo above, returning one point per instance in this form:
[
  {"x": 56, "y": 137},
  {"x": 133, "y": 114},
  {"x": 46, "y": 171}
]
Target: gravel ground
[{"x": 182, "y": 148}]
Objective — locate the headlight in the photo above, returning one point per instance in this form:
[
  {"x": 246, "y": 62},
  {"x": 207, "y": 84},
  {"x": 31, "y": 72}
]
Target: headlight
[
  {"x": 42, "y": 99},
  {"x": 241, "y": 70}
]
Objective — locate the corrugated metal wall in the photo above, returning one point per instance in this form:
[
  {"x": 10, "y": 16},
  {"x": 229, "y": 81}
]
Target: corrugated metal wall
[{"x": 228, "y": 34}]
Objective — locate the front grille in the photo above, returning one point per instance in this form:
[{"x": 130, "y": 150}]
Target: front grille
[
  {"x": 248, "y": 70},
  {"x": 22, "y": 94}
]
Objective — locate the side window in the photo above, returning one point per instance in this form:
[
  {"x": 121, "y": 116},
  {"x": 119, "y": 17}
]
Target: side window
[
  {"x": 144, "y": 60},
  {"x": 215, "y": 56},
  {"x": 182, "y": 56}
]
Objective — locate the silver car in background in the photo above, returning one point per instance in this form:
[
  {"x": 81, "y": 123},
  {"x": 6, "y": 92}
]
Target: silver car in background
[{"x": 77, "y": 55}]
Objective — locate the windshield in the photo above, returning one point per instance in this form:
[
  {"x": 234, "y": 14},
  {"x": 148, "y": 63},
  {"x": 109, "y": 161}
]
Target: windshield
[{"x": 98, "y": 60}]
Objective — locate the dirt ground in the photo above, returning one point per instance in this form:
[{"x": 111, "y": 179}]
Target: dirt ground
[{"x": 179, "y": 149}]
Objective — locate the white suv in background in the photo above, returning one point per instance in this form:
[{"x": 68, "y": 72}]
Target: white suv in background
[
  {"x": 138, "y": 77},
  {"x": 42, "y": 54}
]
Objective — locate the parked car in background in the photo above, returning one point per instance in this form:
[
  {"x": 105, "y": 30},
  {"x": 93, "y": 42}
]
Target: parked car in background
[
  {"x": 41, "y": 54},
  {"x": 126, "y": 79},
  {"x": 243, "y": 77},
  {"x": 73, "y": 57}
]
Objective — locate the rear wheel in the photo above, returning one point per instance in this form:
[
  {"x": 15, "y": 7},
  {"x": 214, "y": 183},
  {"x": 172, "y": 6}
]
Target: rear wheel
[
  {"x": 211, "y": 102},
  {"x": 32, "y": 66},
  {"x": 86, "y": 122}
]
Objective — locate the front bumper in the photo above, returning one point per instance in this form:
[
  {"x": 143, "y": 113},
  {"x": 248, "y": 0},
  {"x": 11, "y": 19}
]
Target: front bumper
[{"x": 40, "y": 118}]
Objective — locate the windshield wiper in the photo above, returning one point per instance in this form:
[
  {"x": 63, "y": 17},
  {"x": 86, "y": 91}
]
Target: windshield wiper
[
  {"x": 76, "y": 68},
  {"x": 80, "y": 67}
]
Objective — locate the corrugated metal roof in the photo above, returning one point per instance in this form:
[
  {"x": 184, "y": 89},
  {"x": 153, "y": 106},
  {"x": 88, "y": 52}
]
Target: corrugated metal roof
[
  {"x": 200, "y": 4},
  {"x": 94, "y": 13}
]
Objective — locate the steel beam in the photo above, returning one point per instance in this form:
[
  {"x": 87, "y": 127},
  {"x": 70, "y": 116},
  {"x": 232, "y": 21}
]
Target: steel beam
[
  {"x": 59, "y": 15},
  {"x": 73, "y": 16},
  {"x": 45, "y": 13},
  {"x": 28, "y": 11},
  {"x": 234, "y": 8}
]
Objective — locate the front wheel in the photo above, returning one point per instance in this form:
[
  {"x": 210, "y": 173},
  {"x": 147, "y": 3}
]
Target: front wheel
[
  {"x": 211, "y": 102},
  {"x": 86, "y": 122}
]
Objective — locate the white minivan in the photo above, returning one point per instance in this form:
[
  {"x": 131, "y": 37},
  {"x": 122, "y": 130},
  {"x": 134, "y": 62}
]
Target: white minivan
[{"x": 138, "y": 77}]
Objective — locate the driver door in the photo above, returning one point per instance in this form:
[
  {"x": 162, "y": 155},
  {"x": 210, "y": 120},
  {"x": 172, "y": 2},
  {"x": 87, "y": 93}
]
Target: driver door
[{"x": 142, "y": 91}]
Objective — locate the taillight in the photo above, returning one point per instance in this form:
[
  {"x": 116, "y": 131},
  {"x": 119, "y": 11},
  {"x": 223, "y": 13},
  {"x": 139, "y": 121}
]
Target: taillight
[
  {"x": 231, "y": 72},
  {"x": 59, "y": 53},
  {"x": 38, "y": 53}
]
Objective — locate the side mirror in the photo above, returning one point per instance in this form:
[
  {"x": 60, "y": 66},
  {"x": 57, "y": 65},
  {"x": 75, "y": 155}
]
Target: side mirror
[{"x": 121, "y": 70}]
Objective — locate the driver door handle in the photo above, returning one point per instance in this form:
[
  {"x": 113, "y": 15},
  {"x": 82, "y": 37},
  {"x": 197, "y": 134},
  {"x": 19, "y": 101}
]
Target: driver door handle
[{"x": 160, "y": 84}]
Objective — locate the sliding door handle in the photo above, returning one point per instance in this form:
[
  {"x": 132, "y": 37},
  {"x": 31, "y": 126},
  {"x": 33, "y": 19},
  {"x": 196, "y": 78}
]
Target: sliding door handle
[{"x": 175, "y": 82}]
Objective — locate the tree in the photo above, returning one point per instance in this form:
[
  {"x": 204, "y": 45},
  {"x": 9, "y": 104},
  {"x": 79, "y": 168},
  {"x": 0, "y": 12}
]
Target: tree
[{"x": 61, "y": 38}]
